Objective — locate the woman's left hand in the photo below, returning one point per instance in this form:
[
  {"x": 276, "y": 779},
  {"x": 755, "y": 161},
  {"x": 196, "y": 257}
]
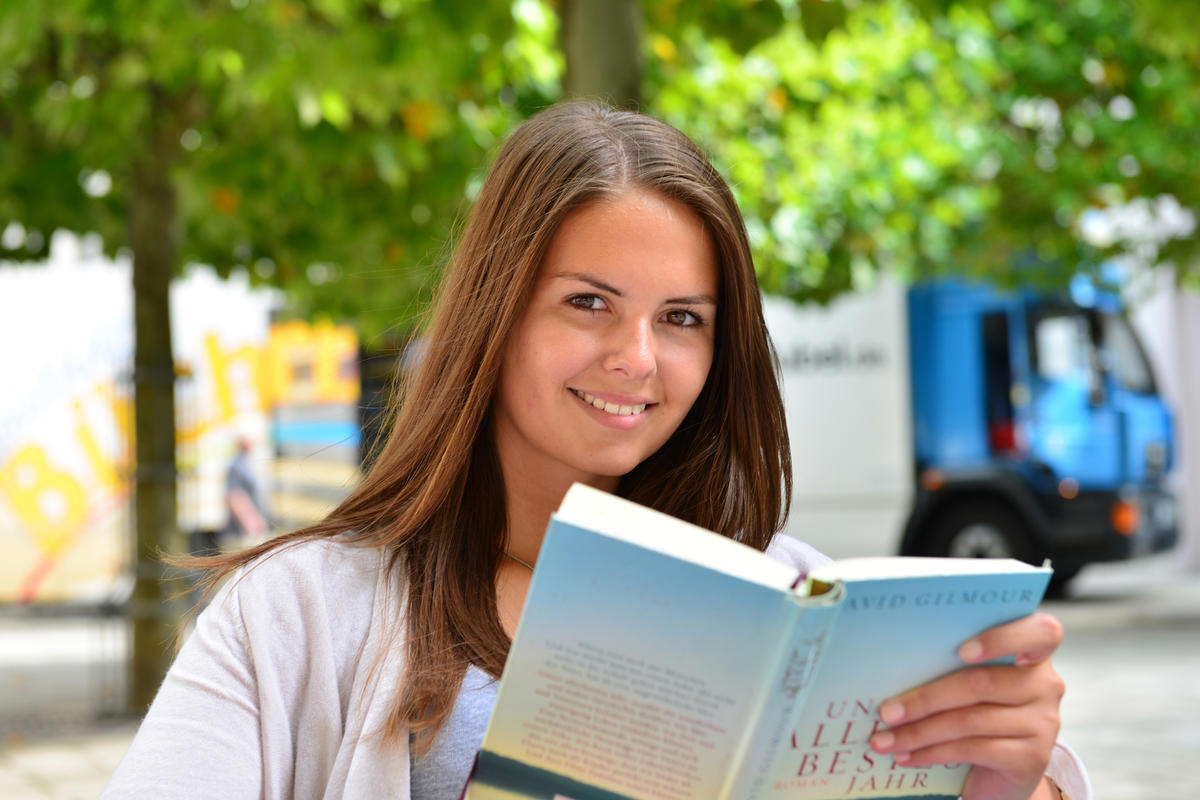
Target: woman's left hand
[{"x": 1002, "y": 719}]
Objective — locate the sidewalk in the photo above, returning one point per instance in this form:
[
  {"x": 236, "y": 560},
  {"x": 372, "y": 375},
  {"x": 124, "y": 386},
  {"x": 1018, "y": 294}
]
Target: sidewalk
[
  {"x": 61, "y": 680},
  {"x": 71, "y": 766},
  {"x": 1150, "y": 590}
]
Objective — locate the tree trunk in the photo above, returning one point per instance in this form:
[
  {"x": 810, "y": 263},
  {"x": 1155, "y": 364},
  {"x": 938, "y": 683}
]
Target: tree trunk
[
  {"x": 156, "y": 611},
  {"x": 602, "y": 42}
]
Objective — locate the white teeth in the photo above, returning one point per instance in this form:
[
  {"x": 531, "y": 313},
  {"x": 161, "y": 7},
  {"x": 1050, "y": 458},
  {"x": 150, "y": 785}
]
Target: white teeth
[{"x": 611, "y": 408}]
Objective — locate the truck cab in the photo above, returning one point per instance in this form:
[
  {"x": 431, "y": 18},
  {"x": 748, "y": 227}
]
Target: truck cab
[
  {"x": 1039, "y": 431},
  {"x": 956, "y": 419}
]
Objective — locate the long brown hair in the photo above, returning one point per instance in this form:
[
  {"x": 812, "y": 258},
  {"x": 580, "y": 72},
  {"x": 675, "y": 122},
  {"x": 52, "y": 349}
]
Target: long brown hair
[{"x": 434, "y": 498}]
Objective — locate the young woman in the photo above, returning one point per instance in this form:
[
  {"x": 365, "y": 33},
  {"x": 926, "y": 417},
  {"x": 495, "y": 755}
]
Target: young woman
[{"x": 600, "y": 322}]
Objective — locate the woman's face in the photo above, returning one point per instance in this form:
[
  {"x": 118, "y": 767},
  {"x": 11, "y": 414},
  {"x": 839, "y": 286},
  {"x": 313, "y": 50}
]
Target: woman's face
[{"x": 614, "y": 347}]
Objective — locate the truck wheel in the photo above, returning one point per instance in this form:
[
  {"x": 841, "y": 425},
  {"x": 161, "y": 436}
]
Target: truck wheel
[
  {"x": 979, "y": 530},
  {"x": 1061, "y": 578}
]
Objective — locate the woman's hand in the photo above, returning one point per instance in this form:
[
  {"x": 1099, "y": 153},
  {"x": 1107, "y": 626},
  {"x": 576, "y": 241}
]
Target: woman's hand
[{"x": 1002, "y": 719}]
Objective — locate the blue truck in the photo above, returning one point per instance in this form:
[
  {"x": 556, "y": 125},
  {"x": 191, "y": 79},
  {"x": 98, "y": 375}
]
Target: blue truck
[{"x": 956, "y": 419}]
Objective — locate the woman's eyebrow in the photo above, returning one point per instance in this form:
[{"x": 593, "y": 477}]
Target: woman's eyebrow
[
  {"x": 694, "y": 299},
  {"x": 591, "y": 279}
]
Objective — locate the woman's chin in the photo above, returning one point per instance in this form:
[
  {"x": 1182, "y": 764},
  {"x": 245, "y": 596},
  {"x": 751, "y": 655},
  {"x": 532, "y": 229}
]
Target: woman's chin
[{"x": 606, "y": 473}]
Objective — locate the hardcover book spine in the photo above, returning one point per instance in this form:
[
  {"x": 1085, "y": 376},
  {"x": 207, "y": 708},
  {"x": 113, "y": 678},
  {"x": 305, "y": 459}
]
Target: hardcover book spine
[{"x": 785, "y": 695}]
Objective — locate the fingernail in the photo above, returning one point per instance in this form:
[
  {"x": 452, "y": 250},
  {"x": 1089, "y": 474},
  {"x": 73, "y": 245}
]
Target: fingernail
[
  {"x": 901, "y": 758},
  {"x": 971, "y": 651},
  {"x": 882, "y": 741},
  {"x": 891, "y": 712}
]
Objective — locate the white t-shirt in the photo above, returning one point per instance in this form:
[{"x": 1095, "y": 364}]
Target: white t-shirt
[{"x": 277, "y": 692}]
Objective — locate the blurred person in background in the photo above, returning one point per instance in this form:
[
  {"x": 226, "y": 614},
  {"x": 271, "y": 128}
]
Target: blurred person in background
[
  {"x": 600, "y": 322},
  {"x": 247, "y": 520}
]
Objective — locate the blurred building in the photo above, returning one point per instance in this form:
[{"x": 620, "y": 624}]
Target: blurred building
[{"x": 66, "y": 428}]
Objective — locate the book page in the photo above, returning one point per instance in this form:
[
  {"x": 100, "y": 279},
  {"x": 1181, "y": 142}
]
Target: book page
[
  {"x": 617, "y": 686},
  {"x": 591, "y": 508},
  {"x": 858, "y": 569}
]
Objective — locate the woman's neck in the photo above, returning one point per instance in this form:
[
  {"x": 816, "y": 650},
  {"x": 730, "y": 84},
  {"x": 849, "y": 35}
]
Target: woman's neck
[{"x": 531, "y": 502}]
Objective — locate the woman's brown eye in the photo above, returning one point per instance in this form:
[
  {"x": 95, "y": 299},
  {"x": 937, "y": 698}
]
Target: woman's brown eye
[
  {"x": 682, "y": 318},
  {"x": 588, "y": 302}
]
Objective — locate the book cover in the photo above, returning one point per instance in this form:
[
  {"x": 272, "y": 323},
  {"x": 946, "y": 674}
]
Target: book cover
[
  {"x": 892, "y": 633},
  {"x": 655, "y": 660}
]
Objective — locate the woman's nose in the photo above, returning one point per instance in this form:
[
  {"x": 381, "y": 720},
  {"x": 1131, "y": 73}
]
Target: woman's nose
[{"x": 633, "y": 351}]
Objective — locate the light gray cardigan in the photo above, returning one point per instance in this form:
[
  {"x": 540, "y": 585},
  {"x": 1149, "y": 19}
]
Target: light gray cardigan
[{"x": 274, "y": 694}]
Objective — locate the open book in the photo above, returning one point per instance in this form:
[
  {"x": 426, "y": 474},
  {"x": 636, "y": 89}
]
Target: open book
[{"x": 658, "y": 661}]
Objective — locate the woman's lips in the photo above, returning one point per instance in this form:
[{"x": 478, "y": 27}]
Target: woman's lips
[{"x": 630, "y": 408}]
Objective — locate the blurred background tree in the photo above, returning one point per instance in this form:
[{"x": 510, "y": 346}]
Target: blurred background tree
[
  {"x": 320, "y": 146},
  {"x": 329, "y": 147},
  {"x": 601, "y": 42},
  {"x": 925, "y": 137}
]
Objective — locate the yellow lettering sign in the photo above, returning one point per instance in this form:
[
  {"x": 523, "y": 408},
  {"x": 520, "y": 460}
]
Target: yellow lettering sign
[
  {"x": 50, "y": 503},
  {"x": 335, "y": 361},
  {"x": 223, "y": 364}
]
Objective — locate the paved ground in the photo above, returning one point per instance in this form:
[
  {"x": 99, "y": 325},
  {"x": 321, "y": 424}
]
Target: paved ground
[
  {"x": 60, "y": 682},
  {"x": 1131, "y": 660},
  {"x": 66, "y": 766}
]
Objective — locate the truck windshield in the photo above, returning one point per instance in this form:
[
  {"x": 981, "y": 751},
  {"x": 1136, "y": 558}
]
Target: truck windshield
[
  {"x": 1124, "y": 356},
  {"x": 1062, "y": 347},
  {"x": 1072, "y": 344}
]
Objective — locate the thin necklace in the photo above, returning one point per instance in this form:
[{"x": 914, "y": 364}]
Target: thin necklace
[{"x": 520, "y": 561}]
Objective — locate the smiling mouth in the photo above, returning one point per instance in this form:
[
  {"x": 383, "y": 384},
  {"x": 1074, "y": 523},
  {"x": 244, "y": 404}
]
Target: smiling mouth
[{"x": 609, "y": 408}]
